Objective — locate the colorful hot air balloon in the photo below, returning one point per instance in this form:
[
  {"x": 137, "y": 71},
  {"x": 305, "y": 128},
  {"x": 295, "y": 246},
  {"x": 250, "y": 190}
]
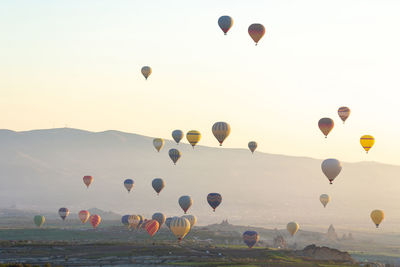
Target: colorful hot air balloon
[
  {"x": 185, "y": 202},
  {"x": 158, "y": 143},
  {"x": 129, "y": 184},
  {"x": 84, "y": 216},
  {"x": 193, "y": 137},
  {"x": 192, "y": 219},
  {"x": 146, "y": 71},
  {"x": 250, "y": 238},
  {"x": 63, "y": 212},
  {"x": 331, "y": 168},
  {"x": 367, "y": 141},
  {"x": 158, "y": 185},
  {"x": 159, "y": 217},
  {"x": 377, "y": 217},
  {"x": 39, "y": 220},
  {"x": 87, "y": 180},
  {"x": 152, "y": 227},
  {"x": 214, "y": 199},
  {"x": 177, "y": 135},
  {"x": 256, "y": 32},
  {"x": 125, "y": 220},
  {"x": 225, "y": 23},
  {"x": 344, "y": 113},
  {"x": 94, "y": 220},
  {"x": 326, "y": 125},
  {"x": 134, "y": 221},
  {"x": 174, "y": 154},
  {"x": 179, "y": 227},
  {"x": 221, "y": 131},
  {"x": 324, "y": 198},
  {"x": 292, "y": 228},
  {"x": 252, "y": 146}
]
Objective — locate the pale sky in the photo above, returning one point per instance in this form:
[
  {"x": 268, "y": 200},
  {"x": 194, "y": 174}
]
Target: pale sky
[{"x": 77, "y": 63}]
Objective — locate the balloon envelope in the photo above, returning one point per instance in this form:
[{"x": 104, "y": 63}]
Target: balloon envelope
[
  {"x": 221, "y": 131},
  {"x": 193, "y": 137},
  {"x": 324, "y": 198},
  {"x": 39, "y": 220},
  {"x": 367, "y": 141},
  {"x": 174, "y": 154},
  {"x": 250, "y": 238},
  {"x": 377, "y": 217},
  {"x": 124, "y": 220},
  {"x": 179, "y": 227},
  {"x": 152, "y": 227},
  {"x": 344, "y": 113},
  {"x": 87, "y": 180},
  {"x": 84, "y": 215},
  {"x": 159, "y": 217},
  {"x": 129, "y": 183},
  {"x": 158, "y": 143},
  {"x": 214, "y": 200},
  {"x": 326, "y": 125},
  {"x": 252, "y": 146},
  {"x": 331, "y": 168},
  {"x": 256, "y": 32},
  {"x": 292, "y": 228},
  {"x": 185, "y": 202},
  {"x": 146, "y": 71},
  {"x": 225, "y": 23},
  {"x": 63, "y": 212},
  {"x": 94, "y": 220},
  {"x": 158, "y": 185},
  {"x": 177, "y": 135}
]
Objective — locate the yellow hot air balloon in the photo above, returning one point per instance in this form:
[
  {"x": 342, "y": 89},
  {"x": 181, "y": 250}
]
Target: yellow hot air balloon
[
  {"x": 133, "y": 221},
  {"x": 221, "y": 130},
  {"x": 377, "y": 217},
  {"x": 193, "y": 137},
  {"x": 367, "y": 141},
  {"x": 179, "y": 227},
  {"x": 146, "y": 71},
  {"x": 158, "y": 143},
  {"x": 324, "y": 198},
  {"x": 292, "y": 228}
]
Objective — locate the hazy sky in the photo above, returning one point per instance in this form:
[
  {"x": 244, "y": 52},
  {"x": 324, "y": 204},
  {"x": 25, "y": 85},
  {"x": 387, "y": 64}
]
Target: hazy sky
[{"x": 77, "y": 63}]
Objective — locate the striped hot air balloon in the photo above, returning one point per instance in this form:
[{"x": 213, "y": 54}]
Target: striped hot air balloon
[
  {"x": 63, "y": 212},
  {"x": 158, "y": 185},
  {"x": 185, "y": 202},
  {"x": 87, "y": 180},
  {"x": 344, "y": 113},
  {"x": 95, "y": 220},
  {"x": 179, "y": 227},
  {"x": 129, "y": 184},
  {"x": 146, "y": 71},
  {"x": 175, "y": 155},
  {"x": 214, "y": 200},
  {"x": 84, "y": 215},
  {"x": 39, "y": 220},
  {"x": 193, "y": 137},
  {"x": 152, "y": 227},
  {"x": 256, "y": 32},
  {"x": 250, "y": 238},
  {"x": 367, "y": 141},
  {"x": 326, "y": 126},
  {"x": 252, "y": 146},
  {"x": 221, "y": 131},
  {"x": 225, "y": 23},
  {"x": 159, "y": 217},
  {"x": 177, "y": 135},
  {"x": 158, "y": 143}
]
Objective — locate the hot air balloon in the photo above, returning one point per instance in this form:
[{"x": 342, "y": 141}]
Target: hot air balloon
[
  {"x": 174, "y": 154},
  {"x": 256, "y": 32},
  {"x": 193, "y": 137},
  {"x": 252, "y": 146},
  {"x": 177, "y": 135},
  {"x": 377, "y": 217},
  {"x": 221, "y": 131},
  {"x": 158, "y": 185},
  {"x": 324, "y": 198},
  {"x": 192, "y": 219},
  {"x": 84, "y": 216},
  {"x": 129, "y": 183},
  {"x": 87, "y": 180},
  {"x": 250, "y": 238},
  {"x": 292, "y": 228},
  {"x": 125, "y": 220},
  {"x": 158, "y": 143},
  {"x": 159, "y": 217},
  {"x": 179, "y": 227},
  {"x": 225, "y": 23},
  {"x": 326, "y": 125},
  {"x": 152, "y": 227},
  {"x": 367, "y": 141},
  {"x": 63, "y": 212},
  {"x": 214, "y": 199},
  {"x": 185, "y": 202},
  {"x": 146, "y": 71},
  {"x": 331, "y": 168},
  {"x": 39, "y": 220},
  {"x": 94, "y": 220},
  {"x": 133, "y": 221},
  {"x": 344, "y": 113}
]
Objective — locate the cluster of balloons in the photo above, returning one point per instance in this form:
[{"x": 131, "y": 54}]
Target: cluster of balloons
[{"x": 256, "y": 30}]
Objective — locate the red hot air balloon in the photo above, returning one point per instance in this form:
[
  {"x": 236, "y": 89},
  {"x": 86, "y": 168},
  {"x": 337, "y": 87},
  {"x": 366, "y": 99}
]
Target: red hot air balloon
[
  {"x": 326, "y": 126},
  {"x": 87, "y": 180},
  {"x": 152, "y": 227},
  {"x": 256, "y": 32},
  {"x": 95, "y": 220},
  {"x": 84, "y": 215}
]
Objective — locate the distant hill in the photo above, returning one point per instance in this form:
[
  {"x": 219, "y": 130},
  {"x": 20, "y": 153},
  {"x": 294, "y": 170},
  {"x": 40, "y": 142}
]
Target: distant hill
[{"x": 42, "y": 170}]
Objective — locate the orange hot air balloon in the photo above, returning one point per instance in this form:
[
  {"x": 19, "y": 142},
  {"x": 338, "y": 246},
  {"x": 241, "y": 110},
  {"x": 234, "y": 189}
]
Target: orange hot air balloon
[
  {"x": 344, "y": 113},
  {"x": 87, "y": 180},
  {"x": 256, "y": 32},
  {"x": 326, "y": 126},
  {"x": 95, "y": 220},
  {"x": 152, "y": 227},
  {"x": 84, "y": 215}
]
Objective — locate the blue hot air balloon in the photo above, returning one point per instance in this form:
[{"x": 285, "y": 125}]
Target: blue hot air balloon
[
  {"x": 250, "y": 238},
  {"x": 214, "y": 199}
]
